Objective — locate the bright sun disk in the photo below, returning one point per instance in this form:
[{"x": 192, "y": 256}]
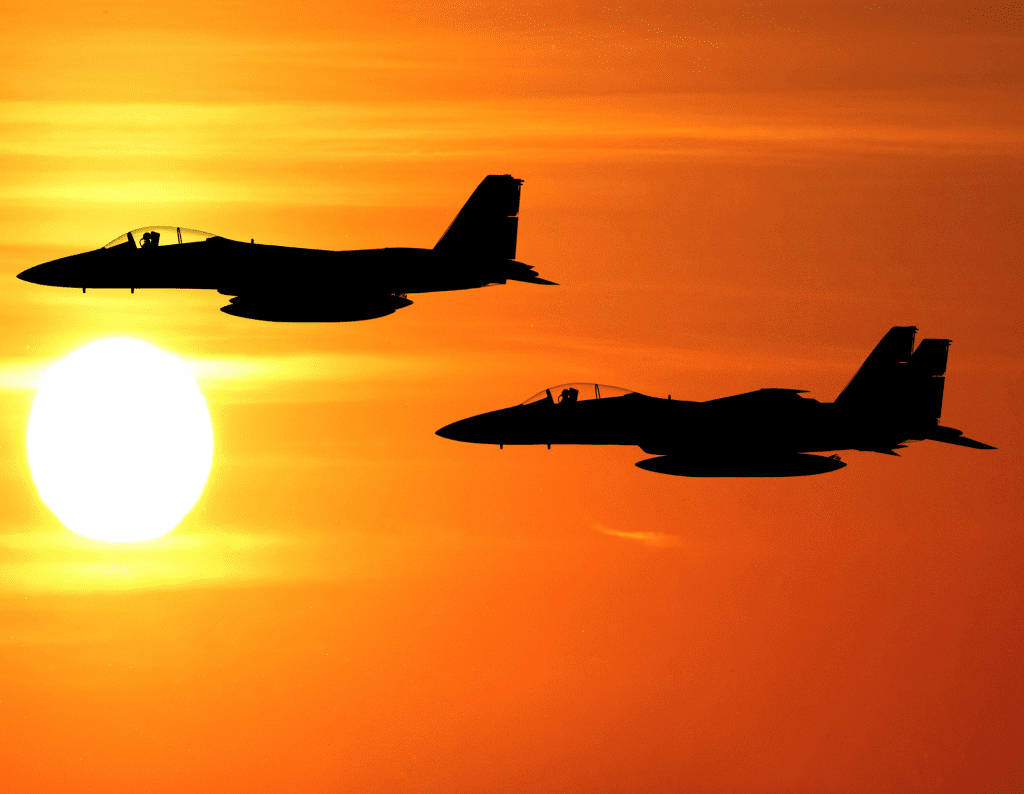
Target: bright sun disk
[{"x": 119, "y": 440}]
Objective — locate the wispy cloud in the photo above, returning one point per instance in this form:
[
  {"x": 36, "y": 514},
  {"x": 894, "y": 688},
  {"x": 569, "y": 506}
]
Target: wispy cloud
[
  {"x": 56, "y": 153},
  {"x": 57, "y": 560},
  {"x": 23, "y": 374},
  {"x": 240, "y": 372},
  {"x": 54, "y": 559},
  {"x": 253, "y": 372},
  {"x": 655, "y": 539},
  {"x": 336, "y": 131}
]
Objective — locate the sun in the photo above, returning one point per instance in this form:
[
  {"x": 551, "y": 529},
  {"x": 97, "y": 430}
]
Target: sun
[{"x": 119, "y": 440}]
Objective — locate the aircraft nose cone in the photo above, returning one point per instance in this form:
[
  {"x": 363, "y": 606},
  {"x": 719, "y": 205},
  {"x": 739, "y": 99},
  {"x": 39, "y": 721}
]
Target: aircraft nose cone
[
  {"x": 456, "y": 431},
  {"x": 32, "y": 275},
  {"x": 75, "y": 270},
  {"x": 504, "y": 426},
  {"x": 482, "y": 429},
  {"x": 48, "y": 274}
]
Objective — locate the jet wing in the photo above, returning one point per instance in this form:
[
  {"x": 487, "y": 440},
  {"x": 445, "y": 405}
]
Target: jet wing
[
  {"x": 305, "y": 308},
  {"x": 774, "y": 464}
]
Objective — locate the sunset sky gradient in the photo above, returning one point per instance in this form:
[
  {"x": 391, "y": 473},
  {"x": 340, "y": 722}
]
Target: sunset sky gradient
[{"x": 731, "y": 195}]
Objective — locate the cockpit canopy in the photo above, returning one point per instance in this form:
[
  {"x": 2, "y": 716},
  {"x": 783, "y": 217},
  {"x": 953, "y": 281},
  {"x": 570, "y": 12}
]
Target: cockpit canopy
[
  {"x": 159, "y": 235},
  {"x": 578, "y": 392}
]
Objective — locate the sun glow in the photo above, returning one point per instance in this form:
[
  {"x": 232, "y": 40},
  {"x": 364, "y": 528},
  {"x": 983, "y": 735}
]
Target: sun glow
[{"x": 119, "y": 440}]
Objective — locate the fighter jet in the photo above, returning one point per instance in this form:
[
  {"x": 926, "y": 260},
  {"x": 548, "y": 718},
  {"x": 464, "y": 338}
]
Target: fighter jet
[
  {"x": 283, "y": 284},
  {"x": 895, "y": 397}
]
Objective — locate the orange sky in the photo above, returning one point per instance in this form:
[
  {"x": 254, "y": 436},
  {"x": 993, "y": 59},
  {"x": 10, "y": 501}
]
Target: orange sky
[{"x": 731, "y": 196}]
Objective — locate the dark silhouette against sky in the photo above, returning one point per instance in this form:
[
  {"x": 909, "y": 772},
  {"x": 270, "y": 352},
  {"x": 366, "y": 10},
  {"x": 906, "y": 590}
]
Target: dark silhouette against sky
[
  {"x": 285, "y": 284},
  {"x": 733, "y": 194},
  {"x": 895, "y": 397}
]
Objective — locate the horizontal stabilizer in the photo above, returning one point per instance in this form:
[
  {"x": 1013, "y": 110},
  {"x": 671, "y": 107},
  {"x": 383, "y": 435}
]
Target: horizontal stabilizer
[
  {"x": 520, "y": 271},
  {"x": 949, "y": 435},
  {"x": 794, "y": 465}
]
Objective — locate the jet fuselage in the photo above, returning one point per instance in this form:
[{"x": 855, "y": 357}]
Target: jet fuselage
[
  {"x": 282, "y": 284},
  {"x": 776, "y": 419},
  {"x": 233, "y": 268},
  {"x": 895, "y": 397}
]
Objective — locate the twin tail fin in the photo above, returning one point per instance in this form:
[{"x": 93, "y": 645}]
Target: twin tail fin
[{"x": 898, "y": 385}]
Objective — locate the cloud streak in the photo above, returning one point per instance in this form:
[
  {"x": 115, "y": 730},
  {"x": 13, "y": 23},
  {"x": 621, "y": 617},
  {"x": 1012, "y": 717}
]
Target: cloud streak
[
  {"x": 658, "y": 540},
  {"x": 57, "y": 560},
  {"x": 200, "y": 154},
  {"x": 253, "y": 372}
]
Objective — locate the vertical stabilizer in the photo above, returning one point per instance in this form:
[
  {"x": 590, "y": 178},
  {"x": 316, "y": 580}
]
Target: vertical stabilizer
[
  {"x": 897, "y": 384},
  {"x": 487, "y": 224},
  {"x": 882, "y": 369},
  {"x": 926, "y": 382}
]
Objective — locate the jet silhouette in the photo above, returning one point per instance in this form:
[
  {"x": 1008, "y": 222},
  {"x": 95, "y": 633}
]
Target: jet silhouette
[
  {"x": 895, "y": 397},
  {"x": 283, "y": 284}
]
